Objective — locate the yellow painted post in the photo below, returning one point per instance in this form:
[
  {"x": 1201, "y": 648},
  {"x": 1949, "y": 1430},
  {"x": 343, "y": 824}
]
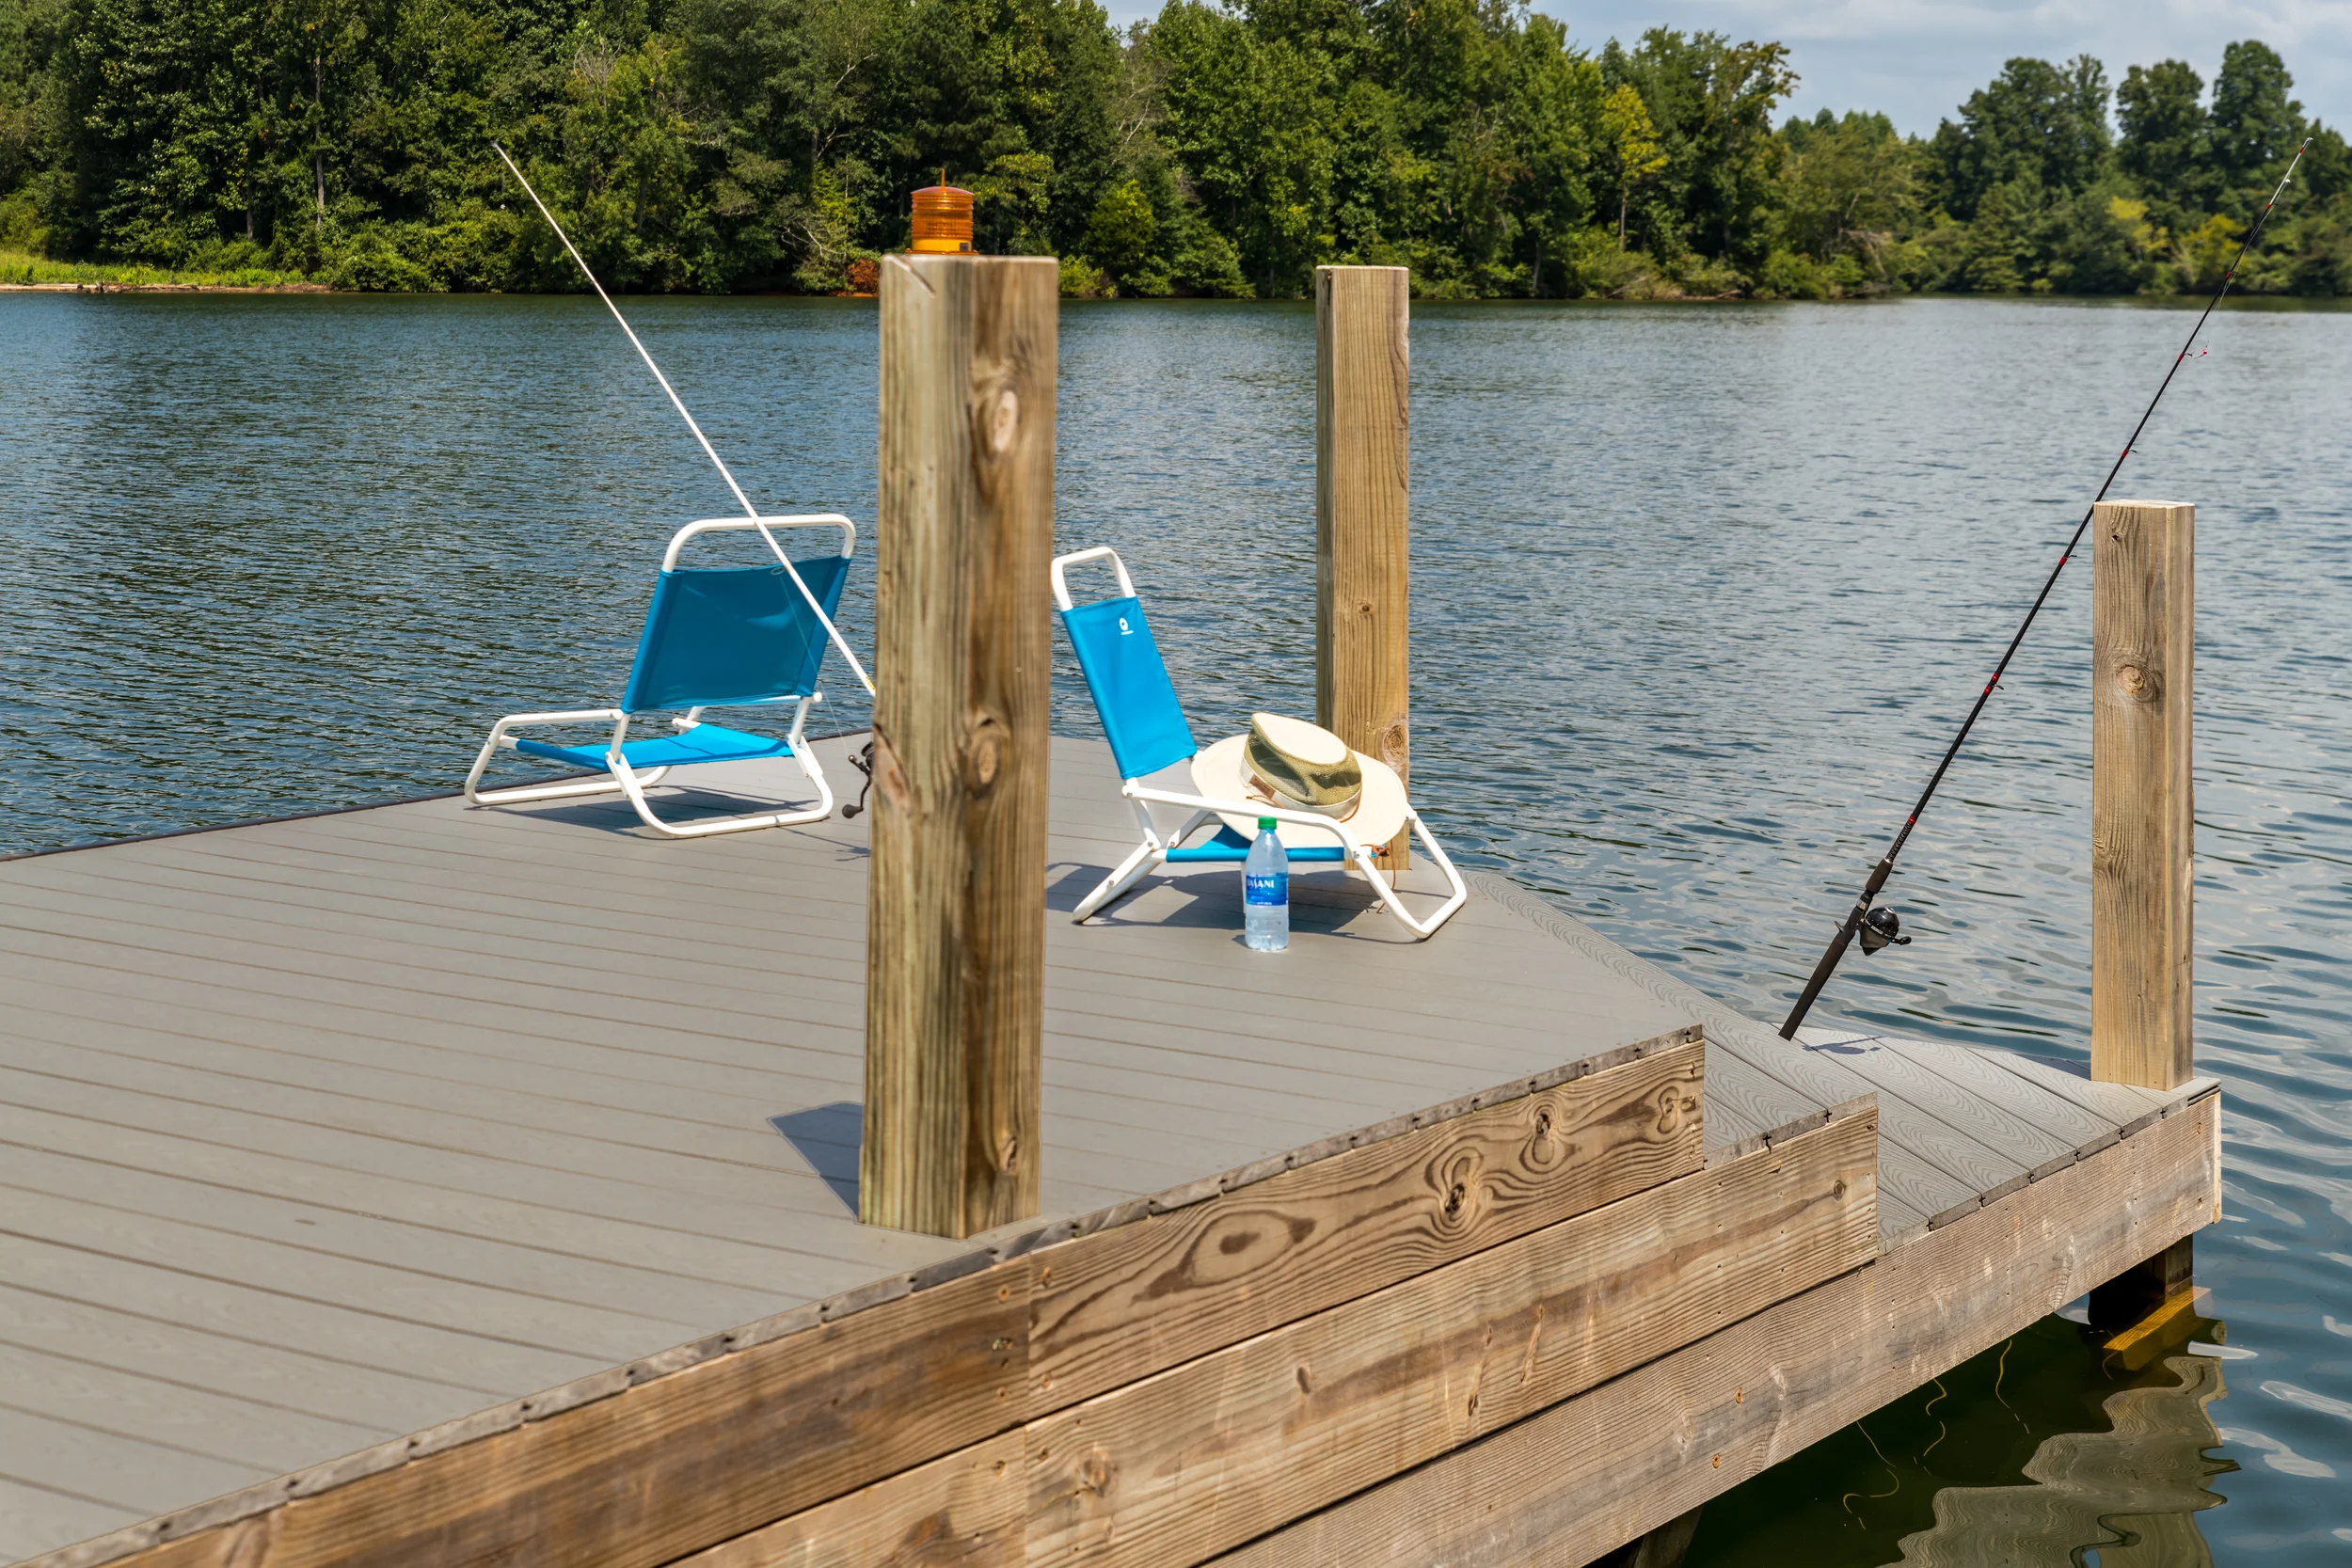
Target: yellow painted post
[
  {"x": 955, "y": 979},
  {"x": 1362, "y": 495}
]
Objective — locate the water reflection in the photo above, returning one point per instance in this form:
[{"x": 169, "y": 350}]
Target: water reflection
[{"x": 2045, "y": 1450}]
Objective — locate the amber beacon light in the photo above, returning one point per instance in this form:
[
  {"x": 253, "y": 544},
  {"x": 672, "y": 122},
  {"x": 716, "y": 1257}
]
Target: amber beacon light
[{"x": 943, "y": 219}]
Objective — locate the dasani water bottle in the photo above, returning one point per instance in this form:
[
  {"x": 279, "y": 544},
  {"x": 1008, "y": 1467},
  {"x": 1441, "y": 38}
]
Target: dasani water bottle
[{"x": 1266, "y": 892}]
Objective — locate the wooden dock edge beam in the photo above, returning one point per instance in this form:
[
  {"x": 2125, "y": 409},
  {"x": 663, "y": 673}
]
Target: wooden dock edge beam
[
  {"x": 1567, "y": 1486},
  {"x": 905, "y": 1350}
]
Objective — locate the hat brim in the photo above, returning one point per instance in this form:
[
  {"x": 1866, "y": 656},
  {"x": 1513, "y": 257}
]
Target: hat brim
[{"x": 1222, "y": 773}]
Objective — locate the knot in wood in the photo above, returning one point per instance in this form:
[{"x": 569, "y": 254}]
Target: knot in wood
[
  {"x": 1096, "y": 1474},
  {"x": 1543, "y": 1123},
  {"x": 984, "y": 744},
  {"x": 2137, "y": 683},
  {"x": 1458, "y": 1182},
  {"x": 1004, "y": 419}
]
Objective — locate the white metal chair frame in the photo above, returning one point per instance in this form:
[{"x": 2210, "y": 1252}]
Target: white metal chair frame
[
  {"x": 620, "y": 775},
  {"x": 1155, "y": 850}
]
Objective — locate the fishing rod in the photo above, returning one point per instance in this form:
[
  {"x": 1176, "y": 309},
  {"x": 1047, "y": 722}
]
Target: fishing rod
[
  {"x": 1877, "y": 925},
  {"x": 749, "y": 510}
]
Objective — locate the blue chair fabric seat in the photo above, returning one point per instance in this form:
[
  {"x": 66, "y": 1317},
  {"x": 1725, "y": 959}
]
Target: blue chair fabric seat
[{"x": 1229, "y": 847}]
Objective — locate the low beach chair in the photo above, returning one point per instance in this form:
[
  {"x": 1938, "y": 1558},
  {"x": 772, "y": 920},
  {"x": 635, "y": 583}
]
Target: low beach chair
[
  {"x": 714, "y": 638},
  {"x": 1146, "y": 726}
]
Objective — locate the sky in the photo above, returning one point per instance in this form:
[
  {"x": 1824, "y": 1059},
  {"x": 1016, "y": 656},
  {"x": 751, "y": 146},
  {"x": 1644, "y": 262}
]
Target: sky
[{"x": 1916, "y": 59}]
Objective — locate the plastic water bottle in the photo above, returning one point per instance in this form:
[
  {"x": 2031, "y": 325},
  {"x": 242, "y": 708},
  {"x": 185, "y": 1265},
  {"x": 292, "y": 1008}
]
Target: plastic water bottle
[{"x": 1266, "y": 892}]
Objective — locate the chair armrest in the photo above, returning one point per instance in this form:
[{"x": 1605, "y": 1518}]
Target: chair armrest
[{"x": 570, "y": 716}]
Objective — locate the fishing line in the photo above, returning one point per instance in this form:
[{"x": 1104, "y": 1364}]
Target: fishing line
[
  {"x": 1879, "y": 926},
  {"x": 749, "y": 510}
]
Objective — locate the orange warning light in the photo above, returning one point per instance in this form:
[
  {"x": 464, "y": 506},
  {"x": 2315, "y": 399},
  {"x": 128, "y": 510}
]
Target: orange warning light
[{"x": 943, "y": 219}]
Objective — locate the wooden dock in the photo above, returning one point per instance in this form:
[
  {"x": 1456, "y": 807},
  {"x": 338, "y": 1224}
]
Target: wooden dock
[
  {"x": 435, "y": 1187},
  {"x": 424, "y": 1185}
]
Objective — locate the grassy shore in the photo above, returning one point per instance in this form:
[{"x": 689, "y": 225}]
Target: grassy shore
[{"x": 21, "y": 270}]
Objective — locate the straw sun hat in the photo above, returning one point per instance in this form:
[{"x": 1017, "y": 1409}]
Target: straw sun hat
[{"x": 1295, "y": 765}]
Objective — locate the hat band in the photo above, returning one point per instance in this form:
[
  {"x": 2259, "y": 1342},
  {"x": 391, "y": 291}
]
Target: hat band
[{"x": 1339, "y": 809}]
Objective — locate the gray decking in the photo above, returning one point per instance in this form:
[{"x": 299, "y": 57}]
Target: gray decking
[{"x": 313, "y": 1133}]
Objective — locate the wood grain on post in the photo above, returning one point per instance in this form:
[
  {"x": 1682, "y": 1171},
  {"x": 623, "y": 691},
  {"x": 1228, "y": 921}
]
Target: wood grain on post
[
  {"x": 1363, "y": 620},
  {"x": 955, "y": 986},
  {"x": 2142, "y": 622}
]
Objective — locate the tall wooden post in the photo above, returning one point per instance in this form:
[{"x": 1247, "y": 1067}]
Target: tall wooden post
[
  {"x": 1362, "y": 489},
  {"x": 2142, "y": 649},
  {"x": 2142, "y": 621},
  {"x": 954, "y": 988}
]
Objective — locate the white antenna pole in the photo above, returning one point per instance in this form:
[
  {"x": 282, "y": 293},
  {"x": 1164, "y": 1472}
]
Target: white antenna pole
[{"x": 749, "y": 510}]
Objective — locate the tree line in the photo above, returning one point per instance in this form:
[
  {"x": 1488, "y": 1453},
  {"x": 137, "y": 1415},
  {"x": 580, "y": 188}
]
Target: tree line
[{"x": 1219, "y": 150}]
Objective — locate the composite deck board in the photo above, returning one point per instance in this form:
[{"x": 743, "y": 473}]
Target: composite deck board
[
  {"x": 604, "y": 1335},
  {"x": 88, "y": 1460},
  {"x": 2040, "y": 1120},
  {"x": 177, "y": 1353},
  {"x": 33, "y": 1518},
  {"x": 271, "y": 1440},
  {"x": 2117, "y": 1101},
  {"x": 371, "y": 1120},
  {"x": 336, "y": 964},
  {"x": 1895, "y": 1069},
  {"x": 412, "y": 1228}
]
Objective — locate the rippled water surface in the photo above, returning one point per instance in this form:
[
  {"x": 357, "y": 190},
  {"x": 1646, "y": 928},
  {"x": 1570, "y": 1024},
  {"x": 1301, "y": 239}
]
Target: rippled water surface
[{"x": 1697, "y": 592}]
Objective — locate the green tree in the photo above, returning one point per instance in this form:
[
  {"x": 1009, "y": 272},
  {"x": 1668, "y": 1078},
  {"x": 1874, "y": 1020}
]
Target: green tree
[
  {"x": 2163, "y": 146},
  {"x": 2035, "y": 119},
  {"x": 1121, "y": 231},
  {"x": 1711, "y": 102},
  {"x": 1630, "y": 144},
  {"x": 1850, "y": 189},
  {"x": 2253, "y": 125}
]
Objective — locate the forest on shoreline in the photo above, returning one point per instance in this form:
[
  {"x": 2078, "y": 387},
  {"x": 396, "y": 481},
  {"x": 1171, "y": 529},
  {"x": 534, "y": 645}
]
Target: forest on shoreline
[{"x": 1220, "y": 149}]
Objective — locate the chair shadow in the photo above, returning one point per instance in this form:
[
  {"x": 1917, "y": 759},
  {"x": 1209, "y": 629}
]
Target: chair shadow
[
  {"x": 1211, "y": 901},
  {"x": 683, "y": 804},
  {"x": 829, "y": 1138}
]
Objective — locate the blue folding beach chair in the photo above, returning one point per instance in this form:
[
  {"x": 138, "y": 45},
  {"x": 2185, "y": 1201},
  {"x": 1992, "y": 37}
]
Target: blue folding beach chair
[
  {"x": 715, "y": 637},
  {"x": 1146, "y": 726}
]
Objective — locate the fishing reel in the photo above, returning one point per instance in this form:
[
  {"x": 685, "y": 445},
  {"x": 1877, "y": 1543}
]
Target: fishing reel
[
  {"x": 863, "y": 760},
  {"x": 1881, "y": 927}
]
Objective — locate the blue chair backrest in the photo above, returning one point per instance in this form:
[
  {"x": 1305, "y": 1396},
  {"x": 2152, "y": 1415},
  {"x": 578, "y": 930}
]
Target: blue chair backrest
[
  {"x": 1123, "y": 669},
  {"x": 714, "y": 638}
]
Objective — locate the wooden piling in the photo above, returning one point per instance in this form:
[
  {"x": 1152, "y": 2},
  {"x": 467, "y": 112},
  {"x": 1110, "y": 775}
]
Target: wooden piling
[
  {"x": 1363, "y": 488},
  {"x": 2142, "y": 650},
  {"x": 956, "y": 909}
]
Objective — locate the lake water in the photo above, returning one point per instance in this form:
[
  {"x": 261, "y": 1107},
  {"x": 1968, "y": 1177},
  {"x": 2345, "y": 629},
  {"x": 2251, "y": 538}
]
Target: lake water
[{"x": 1698, "y": 592}]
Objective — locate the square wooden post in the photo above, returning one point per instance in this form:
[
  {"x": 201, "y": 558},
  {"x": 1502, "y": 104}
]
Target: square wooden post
[
  {"x": 2142, "y": 637},
  {"x": 955, "y": 976},
  {"x": 1363, "y": 366}
]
